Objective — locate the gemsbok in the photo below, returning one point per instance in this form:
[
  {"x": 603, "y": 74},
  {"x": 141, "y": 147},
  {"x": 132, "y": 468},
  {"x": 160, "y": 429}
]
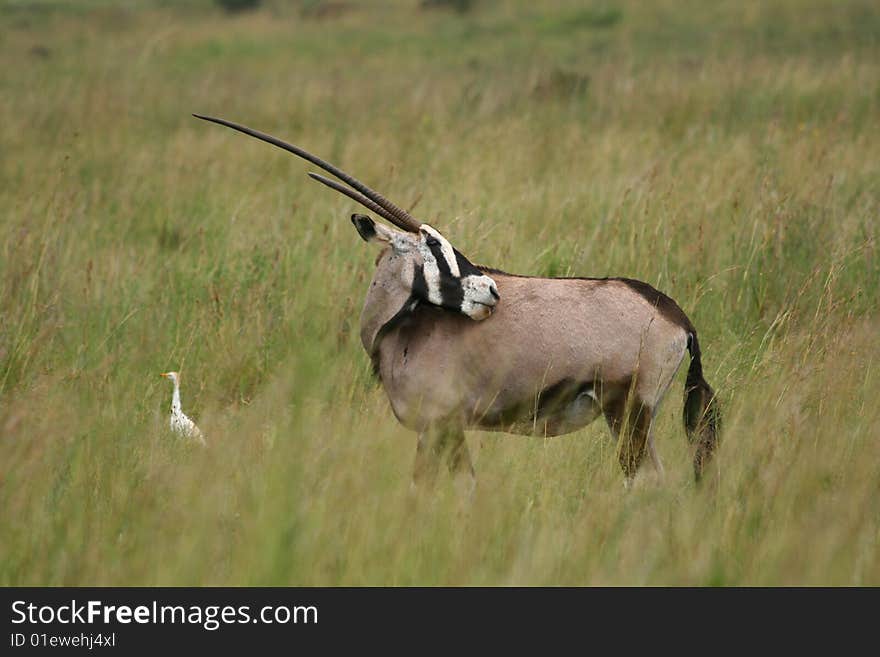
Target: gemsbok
[{"x": 458, "y": 346}]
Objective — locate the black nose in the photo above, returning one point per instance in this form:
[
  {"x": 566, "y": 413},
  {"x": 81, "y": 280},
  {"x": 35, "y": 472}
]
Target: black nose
[{"x": 494, "y": 292}]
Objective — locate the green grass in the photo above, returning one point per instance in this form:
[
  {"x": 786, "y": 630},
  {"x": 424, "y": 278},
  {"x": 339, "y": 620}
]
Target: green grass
[{"x": 724, "y": 152}]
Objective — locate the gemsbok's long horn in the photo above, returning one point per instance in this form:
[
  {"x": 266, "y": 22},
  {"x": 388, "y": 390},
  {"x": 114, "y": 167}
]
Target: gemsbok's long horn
[
  {"x": 393, "y": 213},
  {"x": 357, "y": 196}
]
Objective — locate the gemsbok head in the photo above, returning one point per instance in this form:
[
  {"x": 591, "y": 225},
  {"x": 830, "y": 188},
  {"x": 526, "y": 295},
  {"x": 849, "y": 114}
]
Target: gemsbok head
[
  {"x": 424, "y": 267},
  {"x": 459, "y": 346}
]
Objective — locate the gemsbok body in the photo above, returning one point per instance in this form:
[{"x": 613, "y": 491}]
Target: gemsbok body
[{"x": 459, "y": 346}]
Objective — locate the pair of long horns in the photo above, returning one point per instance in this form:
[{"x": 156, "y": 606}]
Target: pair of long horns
[{"x": 357, "y": 190}]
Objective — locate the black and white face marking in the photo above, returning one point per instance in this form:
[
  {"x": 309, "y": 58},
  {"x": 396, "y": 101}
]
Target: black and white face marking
[
  {"x": 450, "y": 280},
  {"x": 444, "y": 277}
]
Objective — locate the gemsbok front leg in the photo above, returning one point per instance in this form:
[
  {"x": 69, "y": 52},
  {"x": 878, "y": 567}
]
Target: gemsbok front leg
[{"x": 437, "y": 444}]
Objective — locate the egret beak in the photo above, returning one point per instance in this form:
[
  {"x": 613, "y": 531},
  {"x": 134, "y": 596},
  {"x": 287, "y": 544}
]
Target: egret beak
[{"x": 165, "y": 374}]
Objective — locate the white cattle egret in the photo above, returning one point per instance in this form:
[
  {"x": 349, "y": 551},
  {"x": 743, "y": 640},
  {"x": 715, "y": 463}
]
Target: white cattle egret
[{"x": 180, "y": 423}]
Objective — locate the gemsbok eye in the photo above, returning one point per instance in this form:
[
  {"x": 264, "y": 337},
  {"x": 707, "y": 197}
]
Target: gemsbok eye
[{"x": 432, "y": 241}]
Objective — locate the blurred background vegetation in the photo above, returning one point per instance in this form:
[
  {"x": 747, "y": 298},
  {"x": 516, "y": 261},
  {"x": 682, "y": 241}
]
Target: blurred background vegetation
[{"x": 724, "y": 152}]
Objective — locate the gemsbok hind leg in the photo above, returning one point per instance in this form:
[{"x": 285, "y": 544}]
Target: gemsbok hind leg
[
  {"x": 652, "y": 450},
  {"x": 630, "y": 424}
]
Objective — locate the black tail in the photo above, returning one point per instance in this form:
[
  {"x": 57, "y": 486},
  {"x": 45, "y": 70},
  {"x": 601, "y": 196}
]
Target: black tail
[{"x": 702, "y": 419}]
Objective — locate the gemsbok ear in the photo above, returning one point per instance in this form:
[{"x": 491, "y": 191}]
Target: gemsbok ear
[
  {"x": 369, "y": 230},
  {"x": 366, "y": 227}
]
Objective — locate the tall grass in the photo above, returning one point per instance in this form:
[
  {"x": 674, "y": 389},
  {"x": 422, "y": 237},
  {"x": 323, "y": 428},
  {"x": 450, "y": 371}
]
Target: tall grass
[{"x": 724, "y": 152}]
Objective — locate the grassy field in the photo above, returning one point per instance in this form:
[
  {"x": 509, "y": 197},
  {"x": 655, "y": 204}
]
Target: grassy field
[{"x": 728, "y": 153}]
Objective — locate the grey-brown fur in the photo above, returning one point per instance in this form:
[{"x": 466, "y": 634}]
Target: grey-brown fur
[
  {"x": 459, "y": 347},
  {"x": 594, "y": 346}
]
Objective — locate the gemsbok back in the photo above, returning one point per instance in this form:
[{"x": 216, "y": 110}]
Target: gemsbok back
[{"x": 458, "y": 346}]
